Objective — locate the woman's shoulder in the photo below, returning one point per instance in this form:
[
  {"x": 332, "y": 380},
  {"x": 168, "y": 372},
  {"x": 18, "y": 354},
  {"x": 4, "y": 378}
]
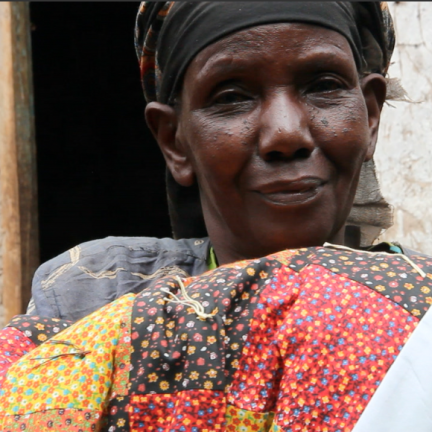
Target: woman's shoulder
[
  {"x": 115, "y": 246},
  {"x": 94, "y": 273}
]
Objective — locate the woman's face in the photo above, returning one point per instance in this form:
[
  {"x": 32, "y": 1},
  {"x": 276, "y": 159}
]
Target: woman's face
[{"x": 274, "y": 125}]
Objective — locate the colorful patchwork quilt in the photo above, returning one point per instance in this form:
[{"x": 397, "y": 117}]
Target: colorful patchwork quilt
[{"x": 296, "y": 341}]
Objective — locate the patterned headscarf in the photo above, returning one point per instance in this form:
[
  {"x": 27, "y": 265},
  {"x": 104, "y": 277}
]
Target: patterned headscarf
[{"x": 168, "y": 35}]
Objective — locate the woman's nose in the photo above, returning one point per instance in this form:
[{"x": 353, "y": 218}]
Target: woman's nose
[{"x": 285, "y": 132}]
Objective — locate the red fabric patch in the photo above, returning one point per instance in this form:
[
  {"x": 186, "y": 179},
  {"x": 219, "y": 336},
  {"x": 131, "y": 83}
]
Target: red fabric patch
[
  {"x": 320, "y": 344},
  {"x": 13, "y": 345},
  {"x": 188, "y": 411}
]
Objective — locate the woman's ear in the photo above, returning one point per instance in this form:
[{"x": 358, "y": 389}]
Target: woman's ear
[
  {"x": 163, "y": 122},
  {"x": 374, "y": 92}
]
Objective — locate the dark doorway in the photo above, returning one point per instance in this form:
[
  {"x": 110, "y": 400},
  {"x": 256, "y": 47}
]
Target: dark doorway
[{"x": 100, "y": 172}]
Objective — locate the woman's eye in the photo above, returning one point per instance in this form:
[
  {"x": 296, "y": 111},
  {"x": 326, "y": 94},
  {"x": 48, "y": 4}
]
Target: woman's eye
[
  {"x": 229, "y": 97},
  {"x": 324, "y": 86}
]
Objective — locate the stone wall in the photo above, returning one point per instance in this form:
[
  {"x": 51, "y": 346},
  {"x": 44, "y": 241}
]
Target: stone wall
[{"x": 404, "y": 152}]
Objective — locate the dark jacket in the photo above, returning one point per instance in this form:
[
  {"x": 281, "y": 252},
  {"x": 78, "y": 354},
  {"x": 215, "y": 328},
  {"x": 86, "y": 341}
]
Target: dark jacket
[{"x": 93, "y": 274}]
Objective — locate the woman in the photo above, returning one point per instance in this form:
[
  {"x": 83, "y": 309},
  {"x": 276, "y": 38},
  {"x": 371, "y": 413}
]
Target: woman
[
  {"x": 251, "y": 200},
  {"x": 272, "y": 109}
]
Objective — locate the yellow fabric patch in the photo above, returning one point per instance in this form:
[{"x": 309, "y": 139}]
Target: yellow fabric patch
[
  {"x": 73, "y": 370},
  {"x": 122, "y": 358},
  {"x": 58, "y": 420},
  {"x": 249, "y": 421}
]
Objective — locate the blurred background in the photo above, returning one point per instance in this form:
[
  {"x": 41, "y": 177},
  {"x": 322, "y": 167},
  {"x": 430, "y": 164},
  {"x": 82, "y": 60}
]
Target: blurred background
[{"x": 99, "y": 171}]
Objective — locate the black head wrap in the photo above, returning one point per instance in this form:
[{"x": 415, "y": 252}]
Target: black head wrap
[{"x": 169, "y": 35}]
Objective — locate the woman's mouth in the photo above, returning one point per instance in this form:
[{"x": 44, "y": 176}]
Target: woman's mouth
[{"x": 291, "y": 192}]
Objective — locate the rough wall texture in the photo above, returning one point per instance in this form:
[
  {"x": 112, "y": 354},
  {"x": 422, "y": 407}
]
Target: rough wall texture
[{"x": 404, "y": 152}]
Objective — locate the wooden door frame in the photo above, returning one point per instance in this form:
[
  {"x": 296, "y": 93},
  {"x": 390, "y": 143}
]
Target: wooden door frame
[{"x": 19, "y": 253}]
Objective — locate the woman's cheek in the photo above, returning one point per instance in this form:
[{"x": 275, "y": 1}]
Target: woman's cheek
[
  {"x": 222, "y": 139},
  {"x": 342, "y": 134}
]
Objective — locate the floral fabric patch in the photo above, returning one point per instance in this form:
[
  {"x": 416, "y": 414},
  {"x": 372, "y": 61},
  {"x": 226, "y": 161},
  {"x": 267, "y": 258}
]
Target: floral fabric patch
[
  {"x": 174, "y": 349},
  {"x": 13, "y": 345},
  {"x": 391, "y": 276},
  {"x": 39, "y": 329},
  {"x": 336, "y": 346},
  {"x": 71, "y": 371},
  {"x": 189, "y": 411},
  {"x": 247, "y": 421},
  {"x": 70, "y": 420}
]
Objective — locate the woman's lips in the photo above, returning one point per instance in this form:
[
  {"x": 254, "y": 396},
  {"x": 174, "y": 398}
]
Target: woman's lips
[{"x": 291, "y": 192}]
